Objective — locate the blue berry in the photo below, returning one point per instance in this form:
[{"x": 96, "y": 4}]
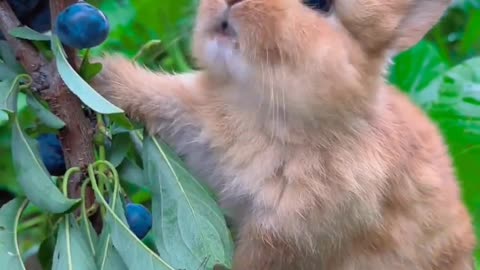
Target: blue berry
[
  {"x": 23, "y": 8},
  {"x": 51, "y": 154},
  {"x": 139, "y": 219},
  {"x": 82, "y": 26},
  {"x": 39, "y": 20},
  {"x": 33, "y": 13}
]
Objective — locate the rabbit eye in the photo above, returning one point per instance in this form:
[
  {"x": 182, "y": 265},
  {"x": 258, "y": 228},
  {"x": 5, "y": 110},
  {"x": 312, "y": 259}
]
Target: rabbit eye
[{"x": 323, "y": 5}]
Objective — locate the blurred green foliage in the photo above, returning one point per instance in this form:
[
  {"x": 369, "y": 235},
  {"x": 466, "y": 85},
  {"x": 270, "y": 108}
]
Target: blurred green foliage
[{"x": 441, "y": 74}]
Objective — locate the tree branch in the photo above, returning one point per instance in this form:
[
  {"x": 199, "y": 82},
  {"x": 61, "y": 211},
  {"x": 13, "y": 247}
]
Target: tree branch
[{"x": 77, "y": 135}]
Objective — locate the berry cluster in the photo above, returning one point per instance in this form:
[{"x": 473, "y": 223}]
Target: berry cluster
[{"x": 138, "y": 217}]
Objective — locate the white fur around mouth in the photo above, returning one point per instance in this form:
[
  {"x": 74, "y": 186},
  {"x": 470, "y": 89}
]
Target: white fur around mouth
[
  {"x": 224, "y": 56},
  {"x": 226, "y": 40}
]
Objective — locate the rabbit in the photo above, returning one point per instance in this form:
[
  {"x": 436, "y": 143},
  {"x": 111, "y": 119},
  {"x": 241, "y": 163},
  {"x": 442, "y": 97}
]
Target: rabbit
[{"x": 317, "y": 160}]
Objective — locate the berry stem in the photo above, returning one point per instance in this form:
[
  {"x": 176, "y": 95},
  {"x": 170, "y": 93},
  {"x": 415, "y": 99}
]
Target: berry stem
[
  {"x": 85, "y": 215},
  {"x": 116, "y": 182},
  {"x": 101, "y": 149},
  {"x": 66, "y": 179}
]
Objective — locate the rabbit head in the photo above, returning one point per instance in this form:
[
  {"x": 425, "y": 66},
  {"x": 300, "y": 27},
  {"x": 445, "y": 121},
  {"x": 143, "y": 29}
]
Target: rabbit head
[{"x": 312, "y": 59}]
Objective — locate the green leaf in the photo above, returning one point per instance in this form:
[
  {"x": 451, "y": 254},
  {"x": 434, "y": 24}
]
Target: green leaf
[
  {"x": 107, "y": 257},
  {"x": 470, "y": 42},
  {"x": 10, "y": 257},
  {"x": 417, "y": 67},
  {"x": 121, "y": 123},
  {"x": 169, "y": 16},
  {"x": 3, "y": 118},
  {"x": 25, "y": 32},
  {"x": 89, "y": 70},
  {"x": 133, "y": 251},
  {"x": 189, "y": 227},
  {"x": 121, "y": 143},
  {"x": 8, "y": 57},
  {"x": 172, "y": 21},
  {"x": 6, "y": 91},
  {"x": 9, "y": 94},
  {"x": 466, "y": 4},
  {"x": 32, "y": 175},
  {"x": 150, "y": 52},
  {"x": 45, "y": 252},
  {"x": 72, "y": 251},
  {"x": 6, "y": 73},
  {"x": 44, "y": 115},
  {"x": 89, "y": 233},
  {"x": 78, "y": 85},
  {"x": 131, "y": 173},
  {"x": 455, "y": 92}
]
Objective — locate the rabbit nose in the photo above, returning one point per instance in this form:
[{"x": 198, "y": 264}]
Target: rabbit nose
[{"x": 232, "y": 2}]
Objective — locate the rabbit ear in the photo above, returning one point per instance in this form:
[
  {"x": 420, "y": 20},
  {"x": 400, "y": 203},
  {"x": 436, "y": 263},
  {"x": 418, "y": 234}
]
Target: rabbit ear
[
  {"x": 420, "y": 18},
  {"x": 394, "y": 25}
]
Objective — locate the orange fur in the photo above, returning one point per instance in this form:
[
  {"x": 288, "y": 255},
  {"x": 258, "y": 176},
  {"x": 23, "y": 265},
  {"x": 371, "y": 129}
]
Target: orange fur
[{"x": 320, "y": 163}]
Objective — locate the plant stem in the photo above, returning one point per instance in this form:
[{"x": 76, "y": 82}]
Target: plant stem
[
  {"x": 101, "y": 148},
  {"x": 101, "y": 128}
]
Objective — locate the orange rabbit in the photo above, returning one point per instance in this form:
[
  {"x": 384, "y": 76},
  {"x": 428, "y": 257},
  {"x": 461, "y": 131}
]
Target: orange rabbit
[{"x": 319, "y": 162}]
